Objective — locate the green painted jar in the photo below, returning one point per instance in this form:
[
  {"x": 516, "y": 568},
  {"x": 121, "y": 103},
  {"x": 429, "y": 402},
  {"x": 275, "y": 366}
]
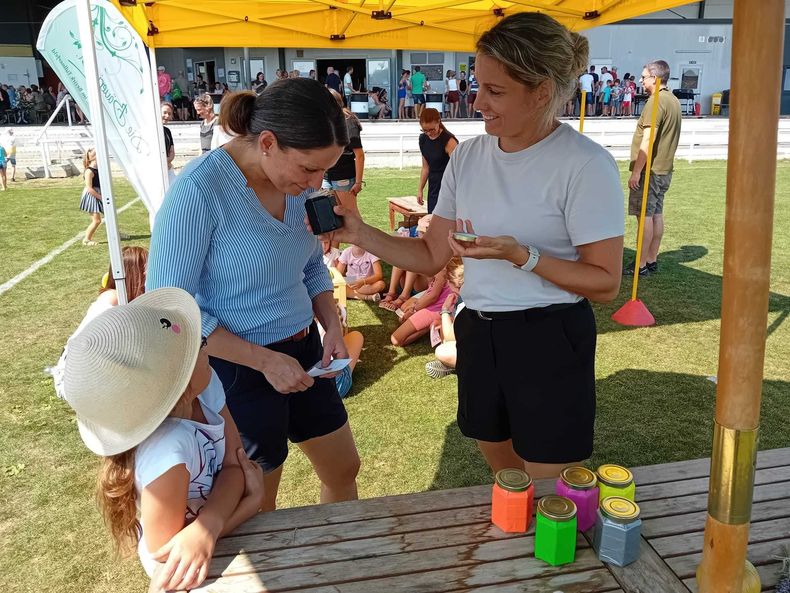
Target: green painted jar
[{"x": 555, "y": 530}]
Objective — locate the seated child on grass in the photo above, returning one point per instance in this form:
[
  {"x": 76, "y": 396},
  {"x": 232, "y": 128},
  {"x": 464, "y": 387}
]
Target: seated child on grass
[
  {"x": 402, "y": 282},
  {"x": 422, "y": 311},
  {"x": 446, "y": 351},
  {"x": 174, "y": 477},
  {"x": 331, "y": 254},
  {"x": 364, "y": 276}
]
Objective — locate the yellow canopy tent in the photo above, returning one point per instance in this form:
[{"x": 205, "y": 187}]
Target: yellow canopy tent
[
  {"x": 758, "y": 34},
  {"x": 449, "y": 25}
]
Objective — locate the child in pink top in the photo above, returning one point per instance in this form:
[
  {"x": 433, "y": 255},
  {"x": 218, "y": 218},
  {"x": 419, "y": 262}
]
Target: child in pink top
[
  {"x": 422, "y": 311},
  {"x": 364, "y": 276}
]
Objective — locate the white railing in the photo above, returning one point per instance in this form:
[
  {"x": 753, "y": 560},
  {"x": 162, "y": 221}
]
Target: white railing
[{"x": 43, "y": 142}]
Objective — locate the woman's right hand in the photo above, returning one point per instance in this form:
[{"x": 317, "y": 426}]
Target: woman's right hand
[
  {"x": 352, "y": 228},
  {"x": 420, "y": 200},
  {"x": 284, "y": 373},
  {"x": 449, "y": 302}
]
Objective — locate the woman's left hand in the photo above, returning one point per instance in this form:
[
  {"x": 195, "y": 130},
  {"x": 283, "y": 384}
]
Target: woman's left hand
[
  {"x": 356, "y": 188},
  {"x": 503, "y": 247}
]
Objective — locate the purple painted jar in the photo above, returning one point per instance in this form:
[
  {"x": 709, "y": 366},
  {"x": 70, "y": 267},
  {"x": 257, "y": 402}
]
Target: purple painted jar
[{"x": 581, "y": 486}]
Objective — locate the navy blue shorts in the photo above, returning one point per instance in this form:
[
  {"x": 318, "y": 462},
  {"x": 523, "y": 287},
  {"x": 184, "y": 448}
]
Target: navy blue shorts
[
  {"x": 419, "y": 98},
  {"x": 267, "y": 419}
]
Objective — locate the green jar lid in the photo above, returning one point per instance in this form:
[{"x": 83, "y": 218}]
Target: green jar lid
[
  {"x": 578, "y": 478},
  {"x": 557, "y": 508},
  {"x": 619, "y": 509},
  {"x": 615, "y": 475},
  {"x": 513, "y": 480}
]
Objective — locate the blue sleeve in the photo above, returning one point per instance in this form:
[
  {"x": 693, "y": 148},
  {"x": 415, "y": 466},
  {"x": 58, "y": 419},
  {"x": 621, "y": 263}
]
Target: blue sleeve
[
  {"x": 180, "y": 242},
  {"x": 316, "y": 274}
]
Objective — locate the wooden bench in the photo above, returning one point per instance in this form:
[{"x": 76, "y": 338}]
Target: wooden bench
[
  {"x": 408, "y": 206},
  {"x": 443, "y": 541}
]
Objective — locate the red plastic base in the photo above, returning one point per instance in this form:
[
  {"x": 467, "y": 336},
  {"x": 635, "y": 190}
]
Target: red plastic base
[{"x": 634, "y": 313}]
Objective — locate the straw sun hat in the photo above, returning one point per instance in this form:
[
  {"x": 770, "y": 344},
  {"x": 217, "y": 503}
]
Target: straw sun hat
[{"x": 127, "y": 368}]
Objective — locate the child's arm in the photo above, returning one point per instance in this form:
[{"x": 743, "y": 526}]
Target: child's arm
[
  {"x": 448, "y": 329},
  {"x": 430, "y": 296},
  {"x": 378, "y": 274},
  {"x": 189, "y": 551},
  {"x": 250, "y": 503},
  {"x": 341, "y": 267},
  {"x": 89, "y": 184}
]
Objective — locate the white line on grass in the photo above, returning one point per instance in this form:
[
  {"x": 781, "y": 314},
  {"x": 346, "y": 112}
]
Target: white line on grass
[{"x": 6, "y": 286}]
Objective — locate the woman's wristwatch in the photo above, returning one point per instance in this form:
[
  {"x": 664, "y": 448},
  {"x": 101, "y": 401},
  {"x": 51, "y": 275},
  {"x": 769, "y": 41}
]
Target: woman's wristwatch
[{"x": 532, "y": 260}]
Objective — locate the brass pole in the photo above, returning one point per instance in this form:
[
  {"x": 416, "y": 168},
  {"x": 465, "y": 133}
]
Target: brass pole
[
  {"x": 582, "y": 109},
  {"x": 758, "y": 35}
]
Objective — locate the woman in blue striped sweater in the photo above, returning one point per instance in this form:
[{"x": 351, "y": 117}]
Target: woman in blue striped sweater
[{"x": 231, "y": 232}]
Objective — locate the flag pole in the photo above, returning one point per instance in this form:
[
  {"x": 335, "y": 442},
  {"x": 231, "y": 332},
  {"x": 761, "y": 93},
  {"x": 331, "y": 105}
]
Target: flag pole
[
  {"x": 85, "y": 22},
  {"x": 751, "y": 183}
]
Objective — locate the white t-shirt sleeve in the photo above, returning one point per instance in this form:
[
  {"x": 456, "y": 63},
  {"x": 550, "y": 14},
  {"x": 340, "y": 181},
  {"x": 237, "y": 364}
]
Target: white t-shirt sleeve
[
  {"x": 170, "y": 445},
  {"x": 594, "y": 210},
  {"x": 445, "y": 205},
  {"x": 213, "y": 397}
]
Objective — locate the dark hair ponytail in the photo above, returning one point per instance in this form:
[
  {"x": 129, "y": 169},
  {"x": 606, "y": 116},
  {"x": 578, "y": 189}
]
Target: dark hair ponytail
[{"x": 300, "y": 112}]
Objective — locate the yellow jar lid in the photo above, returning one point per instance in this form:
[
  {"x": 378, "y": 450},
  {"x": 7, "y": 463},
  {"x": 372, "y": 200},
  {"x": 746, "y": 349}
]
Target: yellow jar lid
[
  {"x": 557, "y": 508},
  {"x": 513, "y": 480},
  {"x": 578, "y": 478},
  {"x": 615, "y": 475},
  {"x": 619, "y": 508}
]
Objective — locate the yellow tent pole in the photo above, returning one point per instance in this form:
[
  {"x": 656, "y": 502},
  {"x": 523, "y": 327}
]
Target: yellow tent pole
[
  {"x": 640, "y": 235},
  {"x": 751, "y": 182},
  {"x": 582, "y": 110}
]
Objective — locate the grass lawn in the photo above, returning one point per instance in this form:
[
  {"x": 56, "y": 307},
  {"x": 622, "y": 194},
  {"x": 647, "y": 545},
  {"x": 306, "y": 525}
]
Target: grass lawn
[{"x": 655, "y": 402}]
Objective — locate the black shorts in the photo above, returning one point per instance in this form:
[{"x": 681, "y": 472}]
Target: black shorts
[
  {"x": 266, "y": 418},
  {"x": 529, "y": 376}
]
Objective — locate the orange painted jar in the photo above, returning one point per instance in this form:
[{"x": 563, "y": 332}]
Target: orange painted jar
[{"x": 512, "y": 500}]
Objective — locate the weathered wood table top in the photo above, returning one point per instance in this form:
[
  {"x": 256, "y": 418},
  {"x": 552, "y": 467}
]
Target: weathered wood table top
[{"x": 444, "y": 541}]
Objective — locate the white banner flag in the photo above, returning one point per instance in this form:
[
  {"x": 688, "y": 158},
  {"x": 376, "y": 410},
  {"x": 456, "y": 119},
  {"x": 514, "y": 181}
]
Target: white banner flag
[{"x": 125, "y": 87}]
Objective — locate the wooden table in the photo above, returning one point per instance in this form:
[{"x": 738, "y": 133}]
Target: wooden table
[
  {"x": 407, "y": 206},
  {"x": 444, "y": 541}
]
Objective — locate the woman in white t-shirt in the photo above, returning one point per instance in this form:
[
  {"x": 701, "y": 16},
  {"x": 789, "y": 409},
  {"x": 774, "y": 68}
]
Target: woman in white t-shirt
[{"x": 547, "y": 204}]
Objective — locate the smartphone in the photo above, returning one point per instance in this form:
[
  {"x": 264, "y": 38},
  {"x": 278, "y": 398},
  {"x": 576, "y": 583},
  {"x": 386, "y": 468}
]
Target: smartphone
[
  {"x": 320, "y": 208},
  {"x": 465, "y": 237}
]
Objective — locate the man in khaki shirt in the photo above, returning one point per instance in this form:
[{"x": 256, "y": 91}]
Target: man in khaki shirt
[{"x": 667, "y": 135}]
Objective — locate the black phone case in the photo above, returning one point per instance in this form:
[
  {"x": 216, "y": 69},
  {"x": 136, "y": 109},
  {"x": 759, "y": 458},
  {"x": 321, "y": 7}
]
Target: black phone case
[{"x": 322, "y": 219}]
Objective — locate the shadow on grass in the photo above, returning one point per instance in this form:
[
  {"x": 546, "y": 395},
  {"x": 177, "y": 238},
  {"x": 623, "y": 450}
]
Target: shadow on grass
[
  {"x": 679, "y": 293},
  {"x": 643, "y": 418}
]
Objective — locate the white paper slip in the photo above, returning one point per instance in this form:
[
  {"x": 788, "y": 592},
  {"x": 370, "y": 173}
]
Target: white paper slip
[{"x": 335, "y": 366}]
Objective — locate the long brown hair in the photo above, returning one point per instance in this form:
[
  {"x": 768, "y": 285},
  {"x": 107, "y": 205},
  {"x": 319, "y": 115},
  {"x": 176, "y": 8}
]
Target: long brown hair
[
  {"x": 117, "y": 499},
  {"x": 135, "y": 262}
]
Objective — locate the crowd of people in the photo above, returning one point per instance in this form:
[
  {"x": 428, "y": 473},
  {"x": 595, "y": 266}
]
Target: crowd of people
[
  {"x": 33, "y": 105},
  {"x": 605, "y": 95},
  {"x": 232, "y": 315}
]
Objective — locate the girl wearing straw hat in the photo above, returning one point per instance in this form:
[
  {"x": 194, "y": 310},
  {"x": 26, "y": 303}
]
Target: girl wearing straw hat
[{"x": 147, "y": 400}]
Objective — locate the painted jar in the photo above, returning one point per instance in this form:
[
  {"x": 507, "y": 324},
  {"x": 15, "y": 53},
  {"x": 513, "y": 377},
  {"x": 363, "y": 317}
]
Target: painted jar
[
  {"x": 555, "y": 530},
  {"x": 615, "y": 480},
  {"x": 511, "y": 500},
  {"x": 616, "y": 537},
  {"x": 581, "y": 486}
]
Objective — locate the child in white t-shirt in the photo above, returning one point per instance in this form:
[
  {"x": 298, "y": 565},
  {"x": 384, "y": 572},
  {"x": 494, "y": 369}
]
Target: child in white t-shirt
[
  {"x": 331, "y": 254},
  {"x": 147, "y": 400},
  {"x": 364, "y": 276}
]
